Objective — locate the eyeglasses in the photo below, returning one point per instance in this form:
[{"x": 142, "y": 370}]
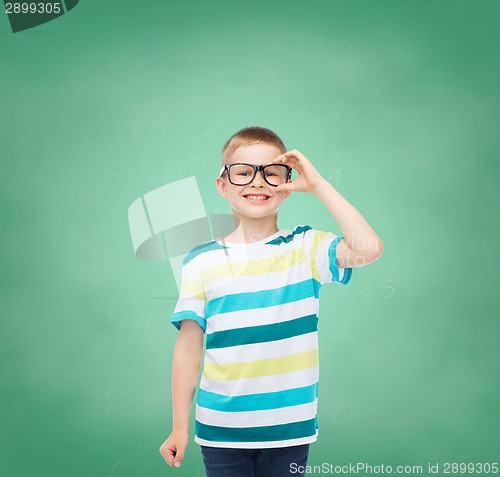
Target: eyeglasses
[{"x": 242, "y": 174}]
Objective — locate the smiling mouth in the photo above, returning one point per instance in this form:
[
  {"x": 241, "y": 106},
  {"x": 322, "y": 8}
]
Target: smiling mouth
[{"x": 256, "y": 197}]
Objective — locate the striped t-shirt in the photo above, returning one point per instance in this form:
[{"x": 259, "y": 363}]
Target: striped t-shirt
[{"x": 258, "y": 305}]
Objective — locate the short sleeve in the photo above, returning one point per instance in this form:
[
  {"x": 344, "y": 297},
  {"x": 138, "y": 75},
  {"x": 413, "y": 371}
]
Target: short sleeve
[
  {"x": 192, "y": 298},
  {"x": 321, "y": 254}
]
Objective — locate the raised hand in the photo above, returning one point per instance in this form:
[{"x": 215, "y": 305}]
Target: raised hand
[{"x": 308, "y": 179}]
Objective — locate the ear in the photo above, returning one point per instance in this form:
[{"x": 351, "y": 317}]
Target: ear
[{"x": 221, "y": 187}]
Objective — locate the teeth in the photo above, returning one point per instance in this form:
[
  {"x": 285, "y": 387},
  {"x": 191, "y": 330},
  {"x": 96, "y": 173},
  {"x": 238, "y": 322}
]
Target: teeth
[{"x": 257, "y": 197}]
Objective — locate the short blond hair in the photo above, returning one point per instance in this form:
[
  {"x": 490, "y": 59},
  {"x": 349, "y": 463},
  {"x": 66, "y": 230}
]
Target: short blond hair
[{"x": 251, "y": 135}]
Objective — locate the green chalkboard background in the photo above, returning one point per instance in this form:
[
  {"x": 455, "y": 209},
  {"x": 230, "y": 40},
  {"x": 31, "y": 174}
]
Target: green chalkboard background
[{"x": 395, "y": 102}]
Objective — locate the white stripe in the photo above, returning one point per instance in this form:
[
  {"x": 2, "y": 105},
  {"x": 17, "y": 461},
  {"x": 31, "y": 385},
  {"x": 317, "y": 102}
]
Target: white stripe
[
  {"x": 263, "y": 316},
  {"x": 258, "y": 445},
  {"x": 257, "y": 283},
  {"x": 249, "y": 252},
  {"x": 323, "y": 260},
  {"x": 258, "y": 351},
  {"x": 237, "y": 257},
  {"x": 248, "y": 283},
  {"x": 261, "y": 384},
  {"x": 190, "y": 304},
  {"x": 268, "y": 417}
]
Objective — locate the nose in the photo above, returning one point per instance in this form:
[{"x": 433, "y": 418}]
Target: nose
[{"x": 258, "y": 180}]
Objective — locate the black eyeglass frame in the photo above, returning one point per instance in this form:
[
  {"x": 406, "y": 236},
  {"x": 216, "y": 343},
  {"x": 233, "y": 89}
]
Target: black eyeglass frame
[{"x": 261, "y": 168}]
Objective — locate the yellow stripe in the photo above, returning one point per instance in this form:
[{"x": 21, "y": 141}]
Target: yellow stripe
[
  {"x": 313, "y": 264},
  {"x": 192, "y": 288},
  {"x": 253, "y": 267},
  {"x": 262, "y": 367}
]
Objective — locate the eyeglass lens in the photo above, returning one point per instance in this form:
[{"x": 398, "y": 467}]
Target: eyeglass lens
[{"x": 242, "y": 174}]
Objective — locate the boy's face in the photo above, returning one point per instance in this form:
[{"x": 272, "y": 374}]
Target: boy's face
[{"x": 238, "y": 196}]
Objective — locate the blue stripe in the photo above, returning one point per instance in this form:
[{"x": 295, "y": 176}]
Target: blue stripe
[
  {"x": 199, "y": 249},
  {"x": 334, "y": 266},
  {"x": 316, "y": 286},
  {"x": 258, "y": 401},
  {"x": 262, "y": 333},
  {"x": 214, "y": 245},
  {"x": 262, "y": 298},
  {"x": 187, "y": 315},
  {"x": 298, "y": 230},
  {"x": 279, "y": 432}
]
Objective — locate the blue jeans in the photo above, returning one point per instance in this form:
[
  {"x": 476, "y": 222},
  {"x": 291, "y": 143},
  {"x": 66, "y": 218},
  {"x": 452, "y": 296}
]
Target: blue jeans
[{"x": 272, "y": 462}]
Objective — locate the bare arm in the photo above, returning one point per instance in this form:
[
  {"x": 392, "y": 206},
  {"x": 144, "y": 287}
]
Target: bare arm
[
  {"x": 361, "y": 245},
  {"x": 185, "y": 369}
]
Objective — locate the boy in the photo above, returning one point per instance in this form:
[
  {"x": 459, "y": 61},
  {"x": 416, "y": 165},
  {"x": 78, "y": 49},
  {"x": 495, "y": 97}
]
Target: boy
[{"x": 255, "y": 294}]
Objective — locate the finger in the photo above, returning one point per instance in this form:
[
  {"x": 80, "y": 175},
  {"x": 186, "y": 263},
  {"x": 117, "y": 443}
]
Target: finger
[
  {"x": 293, "y": 156},
  {"x": 297, "y": 154},
  {"x": 284, "y": 188},
  {"x": 292, "y": 162},
  {"x": 168, "y": 453},
  {"x": 279, "y": 158},
  {"x": 298, "y": 158},
  {"x": 179, "y": 458},
  {"x": 170, "y": 457},
  {"x": 286, "y": 156}
]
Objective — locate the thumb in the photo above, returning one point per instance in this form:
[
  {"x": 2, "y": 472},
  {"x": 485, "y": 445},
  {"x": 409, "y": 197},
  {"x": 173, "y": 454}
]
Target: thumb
[
  {"x": 179, "y": 457},
  {"x": 283, "y": 188}
]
